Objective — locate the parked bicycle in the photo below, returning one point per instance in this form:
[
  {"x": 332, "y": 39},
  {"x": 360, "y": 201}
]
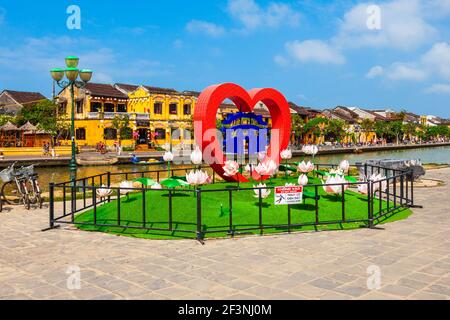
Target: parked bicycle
[{"x": 21, "y": 186}]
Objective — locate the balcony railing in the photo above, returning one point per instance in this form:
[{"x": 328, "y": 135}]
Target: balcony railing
[{"x": 112, "y": 115}]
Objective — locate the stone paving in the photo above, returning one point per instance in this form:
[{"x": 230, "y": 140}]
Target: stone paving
[{"x": 413, "y": 257}]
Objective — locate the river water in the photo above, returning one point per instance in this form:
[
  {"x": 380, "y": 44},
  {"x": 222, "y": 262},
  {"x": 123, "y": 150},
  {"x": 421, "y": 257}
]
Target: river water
[{"x": 440, "y": 155}]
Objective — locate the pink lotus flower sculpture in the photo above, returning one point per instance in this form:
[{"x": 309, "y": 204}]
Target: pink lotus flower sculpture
[
  {"x": 267, "y": 168},
  {"x": 286, "y": 154},
  {"x": 231, "y": 168},
  {"x": 305, "y": 167},
  {"x": 344, "y": 166},
  {"x": 363, "y": 188},
  {"x": 303, "y": 180},
  {"x": 333, "y": 185},
  {"x": 265, "y": 193}
]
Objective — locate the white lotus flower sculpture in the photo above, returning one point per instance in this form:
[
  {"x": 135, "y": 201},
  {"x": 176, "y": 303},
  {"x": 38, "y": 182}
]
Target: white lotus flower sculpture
[
  {"x": 197, "y": 178},
  {"x": 168, "y": 156},
  {"x": 305, "y": 167},
  {"x": 329, "y": 186},
  {"x": 337, "y": 172},
  {"x": 265, "y": 193},
  {"x": 231, "y": 168},
  {"x": 267, "y": 168},
  {"x": 124, "y": 185},
  {"x": 344, "y": 166},
  {"x": 286, "y": 154},
  {"x": 197, "y": 156},
  {"x": 303, "y": 180},
  {"x": 311, "y": 150},
  {"x": 375, "y": 178},
  {"x": 103, "y": 192}
]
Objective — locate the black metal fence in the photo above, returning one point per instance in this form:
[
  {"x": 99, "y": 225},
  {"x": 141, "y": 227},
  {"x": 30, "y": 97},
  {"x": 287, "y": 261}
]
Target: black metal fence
[{"x": 69, "y": 199}]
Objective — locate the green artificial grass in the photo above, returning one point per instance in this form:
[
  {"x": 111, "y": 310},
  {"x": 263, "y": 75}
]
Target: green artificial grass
[{"x": 215, "y": 212}]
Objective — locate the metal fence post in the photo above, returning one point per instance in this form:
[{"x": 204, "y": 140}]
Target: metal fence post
[
  {"x": 370, "y": 202},
  {"x": 52, "y": 205},
  {"x": 108, "y": 181},
  {"x": 199, "y": 215},
  {"x": 412, "y": 189}
]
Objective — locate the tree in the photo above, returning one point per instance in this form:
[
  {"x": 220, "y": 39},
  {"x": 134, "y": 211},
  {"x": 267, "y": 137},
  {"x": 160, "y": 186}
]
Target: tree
[
  {"x": 4, "y": 118},
  {"x": 367, "y": 126},
  {"x": 382, "y": 129},
  {"x": 335, "y": 130},
  {"x": 122, "y": 125},
  {"x": 396, "y": 129},
  {"x": 316, "y": 126},
  {"x": 42, "y": 115},
  {"x": 298, "y": 125},
  {"x": 409, "y": 129}
]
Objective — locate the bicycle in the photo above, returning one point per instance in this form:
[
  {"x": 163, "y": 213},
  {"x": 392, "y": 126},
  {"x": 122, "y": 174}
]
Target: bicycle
[{"x": 21, "y": 186}]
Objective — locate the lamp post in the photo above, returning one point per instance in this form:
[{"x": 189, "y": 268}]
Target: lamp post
[{"x": 72, "y": 73}]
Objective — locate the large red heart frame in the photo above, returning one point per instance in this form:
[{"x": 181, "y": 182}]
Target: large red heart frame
[{"x": 205, "y": 116}]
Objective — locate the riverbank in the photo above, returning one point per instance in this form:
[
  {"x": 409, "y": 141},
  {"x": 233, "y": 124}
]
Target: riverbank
[{"x": 45, "y": 161}]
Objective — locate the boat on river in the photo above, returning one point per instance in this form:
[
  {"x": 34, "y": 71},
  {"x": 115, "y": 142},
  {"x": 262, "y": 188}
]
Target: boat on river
[{"x": 97, "y": 160}]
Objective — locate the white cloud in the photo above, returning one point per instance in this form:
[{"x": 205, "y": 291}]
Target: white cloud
[
  {"x": 281, "y": 61},
  {"x": 438, "y": 88},
  {"x": 399, "y": 71},
  {"x": 203, "y": 27},
  {"x": 374, "y": 72},
  {"x": 437, "y": 59},
  {"x": 403, "y": 26},
  {"x": 434, "y": 63},
  {"x": 253, "y": 16},
  {"x": 314, "y": 51},
  {"x": 43, "y": 54}
]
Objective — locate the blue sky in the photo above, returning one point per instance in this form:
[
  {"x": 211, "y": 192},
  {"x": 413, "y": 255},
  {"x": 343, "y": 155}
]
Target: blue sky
[{"x": 318, "y": 53}]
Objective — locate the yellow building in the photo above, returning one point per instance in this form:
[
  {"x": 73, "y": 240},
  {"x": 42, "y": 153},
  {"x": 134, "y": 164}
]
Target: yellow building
[
  {"x": 165, "y": 115},
  {"x": 156, "y": 116}
]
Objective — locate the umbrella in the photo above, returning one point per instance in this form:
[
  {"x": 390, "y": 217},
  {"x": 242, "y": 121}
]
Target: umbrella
[
  {"x": 145, "y": 181},
  {"x": 173, "y": 183}
]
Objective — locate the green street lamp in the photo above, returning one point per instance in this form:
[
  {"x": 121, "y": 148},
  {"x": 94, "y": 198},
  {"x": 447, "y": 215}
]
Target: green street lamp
[{"x": 72, "y": 74}]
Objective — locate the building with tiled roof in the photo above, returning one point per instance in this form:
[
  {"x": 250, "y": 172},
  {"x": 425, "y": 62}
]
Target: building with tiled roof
[{"x": 11, "y": 102}]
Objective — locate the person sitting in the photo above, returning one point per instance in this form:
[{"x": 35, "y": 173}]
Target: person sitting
[{"x": 134, "y": 159}]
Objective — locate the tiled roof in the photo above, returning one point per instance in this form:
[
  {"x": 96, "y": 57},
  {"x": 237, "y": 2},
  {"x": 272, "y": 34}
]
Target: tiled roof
[
  {"x": 339, "y": 115},
  {"x": 104, "y": 90},
  {"x": 24, "y": 97},
  {"x": 126, "y": 87},
  {"x": 376, "y": 115},
  {"x": 161, "y": 90},
  {"x": 191, "y": 93}
]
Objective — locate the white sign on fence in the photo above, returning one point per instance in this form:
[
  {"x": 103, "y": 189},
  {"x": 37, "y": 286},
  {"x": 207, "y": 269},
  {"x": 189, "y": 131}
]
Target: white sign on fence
[{"x": 288, "y": 195}]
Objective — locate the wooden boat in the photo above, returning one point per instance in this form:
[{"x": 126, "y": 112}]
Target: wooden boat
[
  {"x": 97, "y": 161},
  {"x": 150, "y": 162}
]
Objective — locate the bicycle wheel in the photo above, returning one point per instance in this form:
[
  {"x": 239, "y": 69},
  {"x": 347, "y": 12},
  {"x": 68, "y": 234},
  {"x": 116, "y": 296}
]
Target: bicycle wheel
[
  {"x": 11, "y": 195},
  {"x": 26, "y": 201}
]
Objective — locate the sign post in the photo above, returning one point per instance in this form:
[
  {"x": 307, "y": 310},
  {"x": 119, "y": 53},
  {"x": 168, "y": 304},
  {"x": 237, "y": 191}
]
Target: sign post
[{"x": 288, "y": 195}]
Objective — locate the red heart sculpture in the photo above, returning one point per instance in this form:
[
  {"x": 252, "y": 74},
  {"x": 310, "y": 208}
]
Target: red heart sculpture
[{"x": 205, "y": 116}]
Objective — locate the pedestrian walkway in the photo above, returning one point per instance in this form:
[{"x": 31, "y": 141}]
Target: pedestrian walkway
[{"x": 411, "y": 258}]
